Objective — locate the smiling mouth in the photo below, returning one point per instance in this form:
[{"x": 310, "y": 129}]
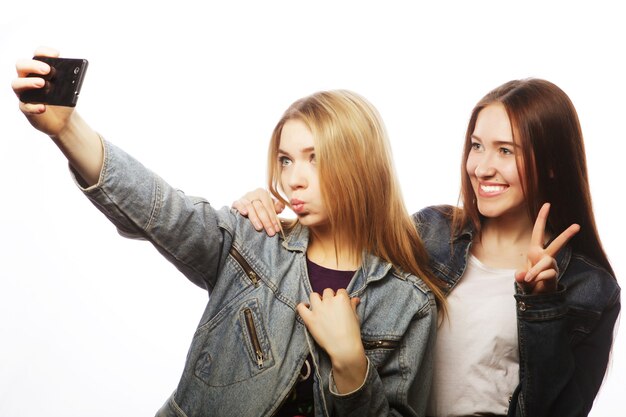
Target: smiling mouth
[{"x": 492, "y": 189}]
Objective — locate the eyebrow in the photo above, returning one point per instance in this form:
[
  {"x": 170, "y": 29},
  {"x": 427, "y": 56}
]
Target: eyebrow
[
  {"x": 304, "y": 150},
  {"x": 498, "y": 142}
]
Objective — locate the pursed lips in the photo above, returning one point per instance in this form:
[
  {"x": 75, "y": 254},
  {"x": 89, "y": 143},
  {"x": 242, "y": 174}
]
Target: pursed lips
[{"x": 297, "y": 205}]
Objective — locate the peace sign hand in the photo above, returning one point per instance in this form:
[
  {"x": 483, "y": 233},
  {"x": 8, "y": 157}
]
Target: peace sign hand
[{"x": 541, "y": 275}]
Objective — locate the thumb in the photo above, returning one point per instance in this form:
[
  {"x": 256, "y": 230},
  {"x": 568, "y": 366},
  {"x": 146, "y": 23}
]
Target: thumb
[{"x": 279, "y": 206}]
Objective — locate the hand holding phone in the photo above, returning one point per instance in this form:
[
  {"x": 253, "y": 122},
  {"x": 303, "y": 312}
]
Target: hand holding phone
[{"x": 62, "y": 83}]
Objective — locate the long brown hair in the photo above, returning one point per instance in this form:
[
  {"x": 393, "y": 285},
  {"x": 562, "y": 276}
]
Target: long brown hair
[
  {"x": 357, "y": 180},
  {"x": 545, "y": 124}
]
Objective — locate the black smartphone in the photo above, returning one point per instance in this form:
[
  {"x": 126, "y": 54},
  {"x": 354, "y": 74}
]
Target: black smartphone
[{"x": 63, "y": 82}]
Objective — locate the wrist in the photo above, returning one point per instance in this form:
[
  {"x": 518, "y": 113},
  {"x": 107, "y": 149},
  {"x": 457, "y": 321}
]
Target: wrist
[
  {"x": 82, "y": 147},
  {"x": 349, "y": 371}
]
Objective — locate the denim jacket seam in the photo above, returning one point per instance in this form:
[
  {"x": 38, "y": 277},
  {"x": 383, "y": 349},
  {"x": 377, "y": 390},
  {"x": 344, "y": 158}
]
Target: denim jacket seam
[
  {"x": 175, "y": 406},
  {"x": 156, "y": 205},
  {"x": 102, "y": 188}
]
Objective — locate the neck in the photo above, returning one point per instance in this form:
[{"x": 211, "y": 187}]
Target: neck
[
  {"x": 503, "y": 242},
  {"x": 508, "y": 231},
  {"x": 331, "y": 253}
]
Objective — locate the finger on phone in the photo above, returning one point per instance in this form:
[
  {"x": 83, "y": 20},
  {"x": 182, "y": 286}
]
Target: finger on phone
[
  {"x": 47, "y": 51},
  {"x": 27, "y": 83},
  {"x": 32, "y": 108},
  {"x": 24, "y": 67}
]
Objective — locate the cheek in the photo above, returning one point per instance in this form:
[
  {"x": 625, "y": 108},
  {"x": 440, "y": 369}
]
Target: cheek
[
  {"x": 282, "y": 183},
  {"x": 470, "y": 165},
  {"x": 512, "y": 174}
]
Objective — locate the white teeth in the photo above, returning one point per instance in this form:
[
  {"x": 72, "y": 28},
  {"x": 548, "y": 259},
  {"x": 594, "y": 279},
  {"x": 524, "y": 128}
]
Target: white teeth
[{"x": 492, "y": 188}]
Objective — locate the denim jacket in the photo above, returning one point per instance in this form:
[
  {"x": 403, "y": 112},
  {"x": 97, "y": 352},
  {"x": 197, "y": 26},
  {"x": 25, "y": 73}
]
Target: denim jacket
[
  {"x": 564, "y": 338},
  {"x": 251, "y": 344}
]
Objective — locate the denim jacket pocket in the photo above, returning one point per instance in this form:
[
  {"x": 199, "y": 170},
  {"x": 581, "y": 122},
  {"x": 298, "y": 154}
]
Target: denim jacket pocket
[
  {"x": 236, "y": 334},
  {"x": 385, "y": 354}
]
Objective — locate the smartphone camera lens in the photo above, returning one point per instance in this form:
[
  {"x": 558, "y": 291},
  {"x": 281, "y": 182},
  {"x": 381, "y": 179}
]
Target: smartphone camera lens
[{"x": 76, "y": 70}]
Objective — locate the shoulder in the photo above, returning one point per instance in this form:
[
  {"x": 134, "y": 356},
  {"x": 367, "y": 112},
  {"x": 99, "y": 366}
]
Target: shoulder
[
  {"x": 434, "y": 219},
  {"x": 241, "y": 229},
  {"x": 588, "y": 284},
  {"x": 405, "y": 286},
  {"x": 434, "y": 226}
]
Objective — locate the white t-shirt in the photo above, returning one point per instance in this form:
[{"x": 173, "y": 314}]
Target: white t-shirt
[{"x": 476, "y": 353}]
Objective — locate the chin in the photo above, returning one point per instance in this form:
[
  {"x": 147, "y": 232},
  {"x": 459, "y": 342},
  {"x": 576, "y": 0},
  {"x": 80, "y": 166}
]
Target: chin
[
  {"x": 310, "y": 220},
  {"x": 493, "y": 211}
]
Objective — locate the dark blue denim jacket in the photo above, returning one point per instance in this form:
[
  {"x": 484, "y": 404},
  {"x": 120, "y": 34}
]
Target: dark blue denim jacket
[
  {"x": 250, "y": 345},
  {"x": 564, "y": 338}
]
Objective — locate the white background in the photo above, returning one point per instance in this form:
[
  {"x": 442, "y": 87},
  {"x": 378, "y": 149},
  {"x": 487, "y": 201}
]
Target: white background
[{"x": 92, "y": 324}]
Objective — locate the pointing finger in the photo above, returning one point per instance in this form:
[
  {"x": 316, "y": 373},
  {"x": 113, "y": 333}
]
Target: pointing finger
[
  {"x": 538, "y": 235},
  {"x": 557, "y": 244}
]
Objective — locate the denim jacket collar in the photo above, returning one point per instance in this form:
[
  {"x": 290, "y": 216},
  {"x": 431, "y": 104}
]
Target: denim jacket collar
[
  {"x": 562, "y": 257},
  {"x": 372, "y": 268}
]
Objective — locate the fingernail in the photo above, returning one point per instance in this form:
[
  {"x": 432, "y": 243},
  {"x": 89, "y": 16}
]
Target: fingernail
[
  {"x": 258, "y": 226},
  {"x": 527, "y": 277}
]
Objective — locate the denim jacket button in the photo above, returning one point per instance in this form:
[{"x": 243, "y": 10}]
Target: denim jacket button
[{"x": 522, "y": 306}]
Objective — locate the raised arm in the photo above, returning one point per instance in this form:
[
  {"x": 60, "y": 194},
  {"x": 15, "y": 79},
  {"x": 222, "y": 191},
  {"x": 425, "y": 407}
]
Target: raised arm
[
  {"x": 80, "y": 144},
  {"x": 566, "y": 327}
]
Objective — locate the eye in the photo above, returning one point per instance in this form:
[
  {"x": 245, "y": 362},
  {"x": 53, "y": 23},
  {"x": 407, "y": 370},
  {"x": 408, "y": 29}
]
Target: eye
[
  {"x": 284, "y": 161},
  {"x": 476, "y": 146},
  {"x": 506, "y": 151},
  {"x": 312, "y": 159}
]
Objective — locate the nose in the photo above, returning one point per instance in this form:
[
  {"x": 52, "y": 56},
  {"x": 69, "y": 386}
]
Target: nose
[
  {"x": 484, "y": 171},
  {"x": 484, "y": 166},
  {"x": 297, "y": 176}
]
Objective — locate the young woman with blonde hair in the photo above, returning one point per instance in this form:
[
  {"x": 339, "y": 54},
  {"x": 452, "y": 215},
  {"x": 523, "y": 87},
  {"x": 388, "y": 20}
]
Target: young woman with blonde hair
[{"x": 334, "y": 317}]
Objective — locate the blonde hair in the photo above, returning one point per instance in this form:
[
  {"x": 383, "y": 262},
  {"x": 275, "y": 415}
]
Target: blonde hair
[{"x": 357, "y": 179}]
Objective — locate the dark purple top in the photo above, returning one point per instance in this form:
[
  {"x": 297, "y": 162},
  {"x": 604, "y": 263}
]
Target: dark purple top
[
  {"x": 300, "y": 402},
  {"x": 322, "y": 278}
]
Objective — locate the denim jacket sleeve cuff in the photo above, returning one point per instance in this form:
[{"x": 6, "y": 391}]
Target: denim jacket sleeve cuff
[
  {"x": 333, "y": 387},
  {"x": 541, "y": 306}
]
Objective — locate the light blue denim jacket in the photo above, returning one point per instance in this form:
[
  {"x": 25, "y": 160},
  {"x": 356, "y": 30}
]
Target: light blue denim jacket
[
  {"x": 250, "y": 345},
  {"x": 564, "y": 337}
]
